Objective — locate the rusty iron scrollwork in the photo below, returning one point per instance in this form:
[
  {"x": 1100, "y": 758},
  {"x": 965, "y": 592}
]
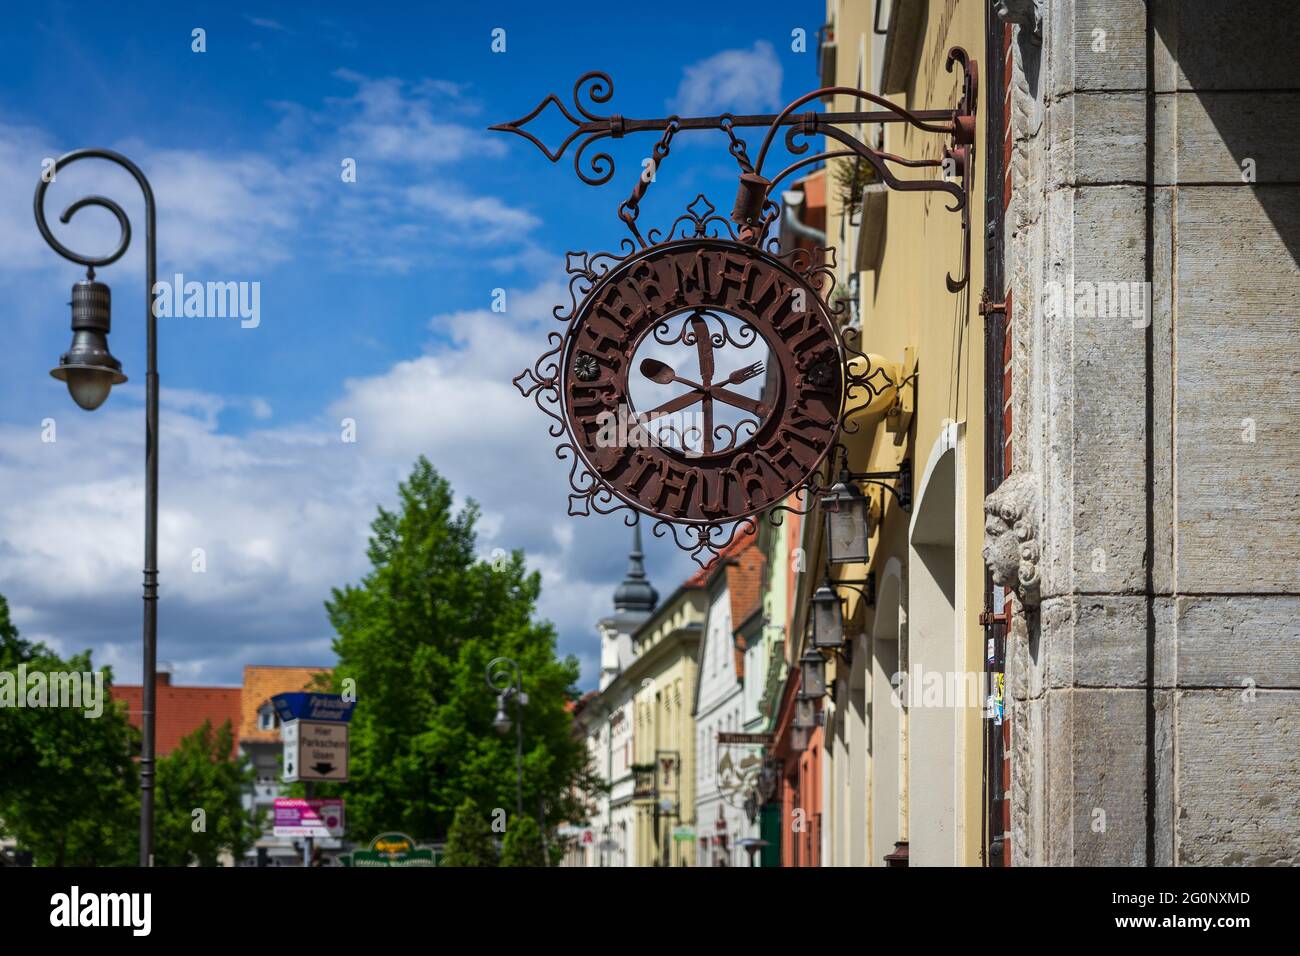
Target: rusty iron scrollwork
[{"x": 701, "y": 375}]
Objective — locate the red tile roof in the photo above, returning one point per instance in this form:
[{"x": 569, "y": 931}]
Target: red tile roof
[{"x": 179, "y": 711}]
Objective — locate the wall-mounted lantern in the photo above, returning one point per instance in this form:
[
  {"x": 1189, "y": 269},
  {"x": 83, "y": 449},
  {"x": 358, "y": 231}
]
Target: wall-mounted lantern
[
  {"x": 846, "y": 511},
  {"x": 847, "y": 515},
  {"x": 769, "y": 778},
  {"x": 805, "y": 713},
  {"x": 812, "y": 675},
  {"x": 827, "y": 618},
  {"x": 828, "y": 609}
]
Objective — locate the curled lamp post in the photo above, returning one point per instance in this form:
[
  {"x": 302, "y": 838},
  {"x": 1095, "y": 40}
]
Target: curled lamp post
[
  {"x": 90, "y": 371},
  {"x": 503, "y": 677}
]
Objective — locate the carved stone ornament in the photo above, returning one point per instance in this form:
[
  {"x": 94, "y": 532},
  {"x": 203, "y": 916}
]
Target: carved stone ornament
[
  {"x": 1011, "y": 536},
  {"x": 1027, "y": 13}
]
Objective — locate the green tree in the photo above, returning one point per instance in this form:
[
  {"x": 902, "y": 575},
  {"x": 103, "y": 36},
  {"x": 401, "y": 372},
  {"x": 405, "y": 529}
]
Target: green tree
[
  {"x": 523, "y": 843},
  {"x": 69, "y": 790},
  {"x": 203, "y": 774},
  {"x": 416, "y": 635},
  {"x": 469, "y": 841}
]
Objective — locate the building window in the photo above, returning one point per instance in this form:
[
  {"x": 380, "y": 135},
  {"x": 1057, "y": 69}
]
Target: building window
[{"x": 266, "y": 718}]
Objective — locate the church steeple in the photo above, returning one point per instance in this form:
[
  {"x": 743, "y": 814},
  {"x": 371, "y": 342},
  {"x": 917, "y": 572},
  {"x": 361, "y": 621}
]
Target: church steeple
[{"x": 635, "y": 594}]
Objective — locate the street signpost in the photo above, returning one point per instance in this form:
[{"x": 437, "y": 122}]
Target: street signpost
[
  {"x": 315, "y": 750},
  {"x": 314, "y": 730},
  {"x": 306, "y": 705}
]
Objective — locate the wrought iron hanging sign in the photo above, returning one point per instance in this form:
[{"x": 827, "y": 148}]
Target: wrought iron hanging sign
[{"x": 714, "y": 306}]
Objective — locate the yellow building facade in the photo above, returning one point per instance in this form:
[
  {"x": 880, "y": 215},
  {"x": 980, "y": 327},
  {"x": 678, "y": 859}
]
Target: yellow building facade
[
  {"x": 904, "y": 769},
  {"x": 662, "y": 680}
]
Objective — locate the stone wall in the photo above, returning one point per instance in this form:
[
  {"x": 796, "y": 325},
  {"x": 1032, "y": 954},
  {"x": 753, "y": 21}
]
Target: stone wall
[{"x": 1155, "y": 689}]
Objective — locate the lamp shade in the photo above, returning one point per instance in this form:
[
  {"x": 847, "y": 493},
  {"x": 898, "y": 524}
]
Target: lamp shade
[
  {"x": 501, "y": 722},
  {"x": 88, "y": 367},
  {"x": 812, "y": 676},
  {"x": 827, "y": 618},
  {"x": 799, "y": 738},
  {"x": 847, "y": 514}
]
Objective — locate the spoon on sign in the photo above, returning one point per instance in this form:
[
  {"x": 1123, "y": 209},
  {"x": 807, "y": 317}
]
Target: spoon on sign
[{"x": 663, "y": 374}]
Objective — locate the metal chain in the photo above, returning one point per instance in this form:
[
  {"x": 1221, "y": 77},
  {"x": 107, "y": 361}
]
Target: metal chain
[
  {"x": 737, "y": 146},
  {"x": 631, "y": 207}
]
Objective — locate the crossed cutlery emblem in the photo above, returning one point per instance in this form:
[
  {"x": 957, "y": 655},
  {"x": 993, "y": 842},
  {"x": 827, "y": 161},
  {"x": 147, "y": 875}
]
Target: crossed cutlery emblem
[{"x": 705, "y": 391}]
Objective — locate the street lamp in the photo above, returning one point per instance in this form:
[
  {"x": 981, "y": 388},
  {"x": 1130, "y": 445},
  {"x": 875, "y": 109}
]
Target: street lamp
[
  {"x": 805, "y": 714},
  {"x": 827, "y": 609},
  {"x": 503, "y": 677},
  {"x": 90, "y": 371}
]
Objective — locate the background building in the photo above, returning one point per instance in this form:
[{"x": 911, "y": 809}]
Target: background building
[
  {"x": 886, "y": 777},
  {"x": 259, "y": 740},
  {"x": 638, "y": 726},
  {"x": 724, "y": 776},
  {"x": 182, "y": 710}
]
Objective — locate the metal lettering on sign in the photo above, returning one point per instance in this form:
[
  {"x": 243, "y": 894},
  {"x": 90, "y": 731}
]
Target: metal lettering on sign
[
  {"x": 701, "y": 380},
  {"x": 719, "y": 298}
]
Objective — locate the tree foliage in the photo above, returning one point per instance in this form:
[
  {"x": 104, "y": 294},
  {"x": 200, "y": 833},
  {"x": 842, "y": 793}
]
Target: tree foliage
[
  {"x": 523, "y": 843},
  {"x": 416, "y": 635},
  {"x": 470, "y": 841},
  {"x": 203, "y": 774},
  {"x": 69, "y": 789}
]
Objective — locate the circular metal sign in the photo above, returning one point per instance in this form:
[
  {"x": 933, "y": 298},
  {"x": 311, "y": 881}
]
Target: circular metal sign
[{"x": 739, "y": 416}]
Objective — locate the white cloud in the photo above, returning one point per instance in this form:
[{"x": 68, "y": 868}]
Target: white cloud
[
  {"x": 390, "y": 120},
  {"x": 266, "y": 23},
  {"x": 282, "y": 514},
  {"x": 488, "y": 219},
  {"x": 233, "y": 214},
  {"x": 740, "y": 81}
]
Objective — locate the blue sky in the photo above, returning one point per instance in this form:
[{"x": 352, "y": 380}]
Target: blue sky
[{"x": 375, "y": 295}]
